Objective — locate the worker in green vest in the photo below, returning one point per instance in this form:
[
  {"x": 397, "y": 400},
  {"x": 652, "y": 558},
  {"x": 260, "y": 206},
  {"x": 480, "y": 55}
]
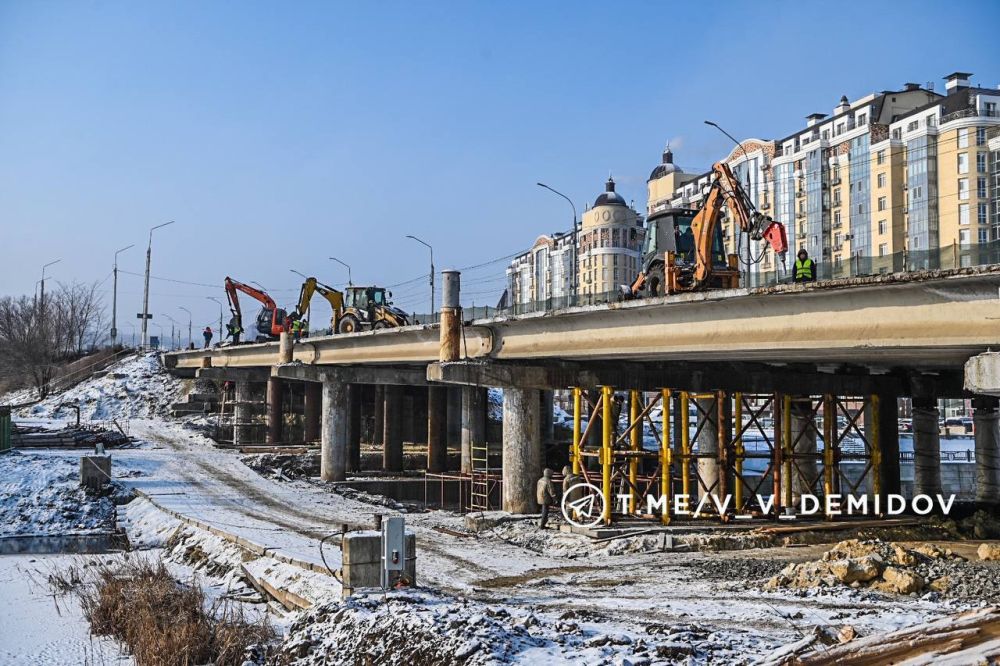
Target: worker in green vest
[{"x": 805, "y": 267}]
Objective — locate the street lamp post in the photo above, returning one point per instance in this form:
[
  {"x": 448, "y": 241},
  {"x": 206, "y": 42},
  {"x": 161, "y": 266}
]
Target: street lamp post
[
  {"x": 349, "y": 280},
  {"x": 427, "y": 245},
  {"x": 174, "y": 325},
  {"x": 132, "y": 326},
  {"x": 114, "y": 299},
  {"x": 574, "y": 284},
  {"x": 190, "y": 339},
  {"x": 145, "y": 290},
  {"x": 41, "y": 297},
  {"x": 221, "y": 309}
]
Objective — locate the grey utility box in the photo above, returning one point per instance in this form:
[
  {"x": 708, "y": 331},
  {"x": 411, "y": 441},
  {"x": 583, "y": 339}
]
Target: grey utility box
[
  {"x": 362, "y": 560},
  {"x": 393, "y": 549}
]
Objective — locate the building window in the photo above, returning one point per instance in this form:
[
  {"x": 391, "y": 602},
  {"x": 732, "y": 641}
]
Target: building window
[
  {"x": 981, "y": 187},
  {"x": 882, "y": 249},
  {"x": 897, "y": 133},
  {"x": 913, "y": 125},
  {"x": 983, "y": 213},
  {"x": 862, "y": 119},
  {"x": 881, "y": 204},
  {"x": 963, "y": 138},
  {"x": 836, "y": 218},
  {"x": 836, "y": 260},
  {"x": 916, "y": 192},
  {"x": 980, "y": 136},
  {"x": 881, "y": 226},
  {"x": 837, "y": 239},
  {"x": 881, "y": 180},
  {"x": 836, "y": 197},
  {"x": 880, "y": 157},
  {"x": 981, "y": 162},
  {"x": 932, "y": 120},
  {"x": 963, "y": 236},
  {"x": 963, "y": 213},
  {"x": 963, "y": 189},
  {"x": 963, "y": 163},
  {"x": 984, "y": 236}
]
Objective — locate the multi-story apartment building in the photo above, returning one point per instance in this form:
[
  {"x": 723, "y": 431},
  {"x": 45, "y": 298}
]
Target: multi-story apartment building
[
  {"x": 545, "y": 274},
  {"x": 610, "y": 245},
  {"x": 948, "y": 202}
]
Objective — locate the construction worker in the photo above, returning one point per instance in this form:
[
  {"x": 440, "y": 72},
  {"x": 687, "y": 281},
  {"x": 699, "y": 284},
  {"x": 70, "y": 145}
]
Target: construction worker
[
  {"x": 545, "y": 493},
  {"x": 297, "y": 327},
  {"x": 208, "y": 336},
  {"x": 569, "y": 480},
  {"x": 805, "y": 267}
]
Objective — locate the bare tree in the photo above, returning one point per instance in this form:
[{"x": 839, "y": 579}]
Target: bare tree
[{"x": 36, "y": 337}]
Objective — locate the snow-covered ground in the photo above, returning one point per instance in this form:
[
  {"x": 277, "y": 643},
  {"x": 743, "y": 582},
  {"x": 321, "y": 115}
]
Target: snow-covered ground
[
  {"x": 136, "y": 386},
  {"x": 509, "y": 593}
]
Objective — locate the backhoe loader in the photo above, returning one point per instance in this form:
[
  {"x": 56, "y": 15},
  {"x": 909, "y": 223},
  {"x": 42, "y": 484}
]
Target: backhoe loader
[
  {"x": 270, "y": 320},
  {"x": 361, "y": 308},
  {"x": 684, "y": 251}
]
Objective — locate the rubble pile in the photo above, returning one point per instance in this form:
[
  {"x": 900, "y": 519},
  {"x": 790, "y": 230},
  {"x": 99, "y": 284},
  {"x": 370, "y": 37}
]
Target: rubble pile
[
  {"x": 283, "y": 466},
  {"x": 892, "y": 568}
]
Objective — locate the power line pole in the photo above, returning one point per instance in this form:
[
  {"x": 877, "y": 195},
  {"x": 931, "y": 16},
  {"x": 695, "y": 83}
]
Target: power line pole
[
  {"x": 114, "y": 300},
  {"x": 145, "y": 291},
  {"x": 433, "y": 312}
]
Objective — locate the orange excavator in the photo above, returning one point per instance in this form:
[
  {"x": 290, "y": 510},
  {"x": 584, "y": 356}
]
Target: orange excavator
[
  {"x": 684, "y": 251},
  {"x": 270, "y": 320}
]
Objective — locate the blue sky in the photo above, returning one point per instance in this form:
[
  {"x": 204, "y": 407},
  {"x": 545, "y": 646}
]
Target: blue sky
[{"x": 279, "y": 134}]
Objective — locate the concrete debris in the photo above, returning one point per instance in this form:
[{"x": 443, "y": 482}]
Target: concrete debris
[
  {"x": 283, "y": 466},
  {"x": 989, "y": 551},
  {"x": 895, "y": 569}
]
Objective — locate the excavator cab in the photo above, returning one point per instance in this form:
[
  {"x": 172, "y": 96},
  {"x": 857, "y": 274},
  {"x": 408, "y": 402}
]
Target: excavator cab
[
  {"x": 368, "y": 308},
  {"x": 669, "y": 233}
]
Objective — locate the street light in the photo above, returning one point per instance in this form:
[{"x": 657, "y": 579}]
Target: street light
[
  {"x": 132, "y": 326},
  {"x": 576, "y": 269},
  {"x": 746, "y": 260},
  {"x": 145, "y": 290},
  {"x": 189, "y": 323},
  {"x": 160, "y": 326},
  {"x": 432, "y": 271},
  {"x": 221, "y": 308},
  {"x": 173, "y": 330},
  {"x": 349, "y": 280},
  {"x": 41, "y": 298},
  {"x": 114, "y": 299},
  {"x": 301, "y": 275}
]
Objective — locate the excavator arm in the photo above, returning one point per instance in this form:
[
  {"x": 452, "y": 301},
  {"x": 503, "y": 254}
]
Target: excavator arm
[
  {"x": 727, "y": 191},
  {"x": 236, "y": 325},
  {"x": 334, "y": 297}
]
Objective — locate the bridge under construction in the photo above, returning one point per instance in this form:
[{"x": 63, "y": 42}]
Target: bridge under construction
[{"x": 762, "y": 396}]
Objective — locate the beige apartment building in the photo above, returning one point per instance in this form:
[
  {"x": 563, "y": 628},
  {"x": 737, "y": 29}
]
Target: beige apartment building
[{"x": 610, "y": 245}]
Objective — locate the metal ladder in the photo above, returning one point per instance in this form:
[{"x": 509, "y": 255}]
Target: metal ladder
[{"x": 479, "y": 494}]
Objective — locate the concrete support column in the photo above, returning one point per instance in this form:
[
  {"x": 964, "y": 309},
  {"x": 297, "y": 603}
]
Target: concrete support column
[
  {"x": 312, "y": 410},
  {"x": 926, "y": 447},
  {"x": 547, "y": 422},
  {"x": 888, "y": 437},
  {"x": 420, "y": 403},
  {"x": 284, "y": 348},
  {"x": 473, "y": 423},
  {"x": 522, "y": 454},
  {"x": 407, "y": 411},
  {"x": 454, "y": 418},
  {"x": 805, "y": 469},
  {"x": 336, "y": 414},
  {"x": 242, "y": 414},
  {"x": 378, "y": 438},
  {"x": 708, "y": 445},
  {"x": 986, "y": 420},
  {"x": 392, "y": 430},
  {"x": 594, "y": 435},
  {"x": 275, "y": 412},
  {"x": 437, "y": 425},
  {"x": 354, "y": 428}
]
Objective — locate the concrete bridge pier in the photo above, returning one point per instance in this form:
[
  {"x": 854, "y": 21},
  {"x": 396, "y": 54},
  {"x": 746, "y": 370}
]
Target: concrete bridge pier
[
  {"x": 378, "y": 416},
  {"x": 986, "y": 419},
  {"x": 244, "y": 395},
  {"x": 312, "y": 409},
  {"x": 547, "y": 422},
  {"x": 438, "y": 400},
  {"x": 275, "y": 408},
  {"x": 454, "y": 417},
  {"x": 522, "y": 453},
  {"x": 708, "y": 445},
  {"x": 473, "y": 423},
  {"x": 354, "y": 428},
  {"x": 804, "y": 477},
  {"x": 926, "y": 447},
  {"x": 392, "y": 429},
  {"x": 336, "y": 415}
]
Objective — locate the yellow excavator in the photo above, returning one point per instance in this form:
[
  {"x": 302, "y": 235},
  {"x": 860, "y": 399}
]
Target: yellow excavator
[{"x": 361, "y": 308}]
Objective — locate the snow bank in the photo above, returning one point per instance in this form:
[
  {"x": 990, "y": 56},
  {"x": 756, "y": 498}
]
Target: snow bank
[
  {"x": 40, "y": 494},
  {"x": 135, "y": 387}
]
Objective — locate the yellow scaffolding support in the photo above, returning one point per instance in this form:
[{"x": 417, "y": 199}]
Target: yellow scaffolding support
[
  {"x": 665, "y": 457},
  {"x": 635, "y": 439},
  {"x": 607, "y": 417},
  {"x": 575, "y": 453},
  {"x": 685, "y": 445},
  {"x": 739, "y": 453}
]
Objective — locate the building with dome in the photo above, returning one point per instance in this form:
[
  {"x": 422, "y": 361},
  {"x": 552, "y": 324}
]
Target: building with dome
[{"x": 610, "y": 245}]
